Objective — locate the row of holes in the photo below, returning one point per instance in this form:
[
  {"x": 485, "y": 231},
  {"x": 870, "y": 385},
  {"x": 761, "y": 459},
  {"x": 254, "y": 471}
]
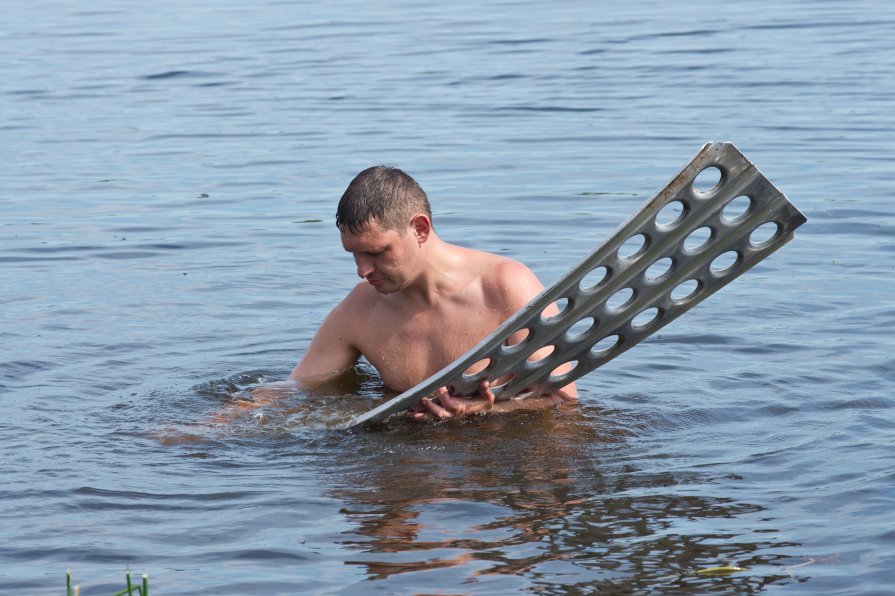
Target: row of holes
[
  {"x": 671, "y": 214},
  {"x": 704, "y": 184},
  {"x": 733, "y": 212},
  {"x": 698, "y": 240},
  {"x": 598, "y": 350},
  {"x": 721, "y": 265},
  {"x": 674, "y": 212},
  {"x": 575, "y": 333},
  {"x": 581, "y": 328},
  {"x": 559, "y": 373},
  {"x": 707, "y": 181}
]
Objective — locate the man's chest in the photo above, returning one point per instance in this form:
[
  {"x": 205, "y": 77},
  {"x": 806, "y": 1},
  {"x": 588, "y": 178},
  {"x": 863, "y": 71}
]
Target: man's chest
[{"x": 408, "y": 349}]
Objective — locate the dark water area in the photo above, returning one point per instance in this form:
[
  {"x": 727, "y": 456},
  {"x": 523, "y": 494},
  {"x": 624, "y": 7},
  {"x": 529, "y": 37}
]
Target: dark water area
[{"x": 168, "y": 183}]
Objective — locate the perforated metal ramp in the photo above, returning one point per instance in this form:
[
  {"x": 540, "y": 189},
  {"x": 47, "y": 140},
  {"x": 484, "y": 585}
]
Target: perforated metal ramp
[{"x": 683, "y": 245}]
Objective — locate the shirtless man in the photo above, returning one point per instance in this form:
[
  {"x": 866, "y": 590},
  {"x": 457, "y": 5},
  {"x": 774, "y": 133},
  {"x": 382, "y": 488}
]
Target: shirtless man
[{"x": 423, "y": 302}]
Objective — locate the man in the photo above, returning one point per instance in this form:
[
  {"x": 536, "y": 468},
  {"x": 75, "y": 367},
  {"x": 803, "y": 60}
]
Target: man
[{"x": 423, "y": 302}]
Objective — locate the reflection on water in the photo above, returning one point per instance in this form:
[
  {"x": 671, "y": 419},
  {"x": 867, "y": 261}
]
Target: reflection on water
[
  {"x": 166, "y": 209},
  {"x": 580, "y": 493},
  {"x": 560, "y": 503}
]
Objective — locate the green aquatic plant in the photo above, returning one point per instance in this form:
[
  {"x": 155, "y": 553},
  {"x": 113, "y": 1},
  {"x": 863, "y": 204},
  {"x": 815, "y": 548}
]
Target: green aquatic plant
[{"x": 130, "y": 590}]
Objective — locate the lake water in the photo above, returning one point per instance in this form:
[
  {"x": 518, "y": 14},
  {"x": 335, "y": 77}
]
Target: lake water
[{"x": 168, "y": 183}]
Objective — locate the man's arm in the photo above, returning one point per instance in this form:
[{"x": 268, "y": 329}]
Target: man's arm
[
  {"x": 331, "y": 353},
  {"x": 332, "y": 350}
]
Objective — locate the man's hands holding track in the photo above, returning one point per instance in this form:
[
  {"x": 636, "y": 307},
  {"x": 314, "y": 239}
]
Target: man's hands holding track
[{"x": 445, "y": 406}]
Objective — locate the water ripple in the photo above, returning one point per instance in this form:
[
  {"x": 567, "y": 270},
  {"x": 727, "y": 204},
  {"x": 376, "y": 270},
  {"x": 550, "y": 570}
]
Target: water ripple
[{"x": 168, "y": 193}]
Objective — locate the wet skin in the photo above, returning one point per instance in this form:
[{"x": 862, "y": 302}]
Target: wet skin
[{"x": 423, "y": 303}]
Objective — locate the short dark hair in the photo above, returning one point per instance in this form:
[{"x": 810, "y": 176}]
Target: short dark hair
[{"x": 384, "y": 194}]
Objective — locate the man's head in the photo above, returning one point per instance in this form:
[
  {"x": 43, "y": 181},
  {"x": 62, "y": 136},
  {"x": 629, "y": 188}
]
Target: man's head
[{"x": 384, "y": 195}]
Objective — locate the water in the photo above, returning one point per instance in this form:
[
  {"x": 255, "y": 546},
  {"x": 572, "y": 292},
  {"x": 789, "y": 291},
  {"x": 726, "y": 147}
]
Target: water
[{"x": 169, "y": 177}]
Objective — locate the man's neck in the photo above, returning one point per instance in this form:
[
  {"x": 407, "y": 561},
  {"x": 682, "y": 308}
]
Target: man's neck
[{"x": 442, "y": 274}]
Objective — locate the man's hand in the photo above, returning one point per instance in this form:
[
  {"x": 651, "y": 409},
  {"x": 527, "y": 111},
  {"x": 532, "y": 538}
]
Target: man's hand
[{"x": 446, "y": 406}]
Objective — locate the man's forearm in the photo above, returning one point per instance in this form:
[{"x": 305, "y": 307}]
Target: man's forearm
[{"x": 541, "y": 402}]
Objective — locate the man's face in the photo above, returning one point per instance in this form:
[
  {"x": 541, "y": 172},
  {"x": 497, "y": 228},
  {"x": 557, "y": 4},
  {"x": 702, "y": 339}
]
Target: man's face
[{"x": 384, "y": 257}]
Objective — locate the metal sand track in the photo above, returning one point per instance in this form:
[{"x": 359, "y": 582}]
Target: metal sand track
[{"x": 683, "y": 245}]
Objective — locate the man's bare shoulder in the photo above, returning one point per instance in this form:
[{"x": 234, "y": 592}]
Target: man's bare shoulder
[
  {"x": 492, "y": 265},
  {"x": 358, "y": 301},
  {"x": 510, "y": 283},
  {"x": 506, "y": 267},
  {"x": 337, "y": 344}
]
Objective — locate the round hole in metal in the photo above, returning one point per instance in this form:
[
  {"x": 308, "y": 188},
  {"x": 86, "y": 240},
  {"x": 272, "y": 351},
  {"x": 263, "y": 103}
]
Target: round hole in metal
[
  {"x": 620, "y": 299},
  {"x": 645, "y": 318},
  {"x": 724, "y": 262},
  {"x": 542, "y": 354},
  {"x": 562, "y": 371},
  {"x": 707, "y": 181},
  {"x": 517, "y": 339},
  {"x": 604, "y": 346},
  {"x": 632, "y": 246},
  {"x": 476, "y": 368},
  {"x": 580, "y": 329},
  {"x": 671, "y": 214},
  {"x": 684, "y": 290},
  {"x": 502, "y": 381},
  {"x": 698, "y": 239},
  {"x": 594, "y": 278},
  {"x": 737, "y": 208},
  {"x": 658, "y": 269},
  {"x": 764, "y": 234},
  {"x": 556, "y": 309}
]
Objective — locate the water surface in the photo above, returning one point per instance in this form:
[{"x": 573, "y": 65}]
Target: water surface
[{"x": 169, "y": 179}]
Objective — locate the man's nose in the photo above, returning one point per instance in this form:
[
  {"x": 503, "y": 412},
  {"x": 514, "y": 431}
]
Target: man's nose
[{"x": 364, "y": 267}]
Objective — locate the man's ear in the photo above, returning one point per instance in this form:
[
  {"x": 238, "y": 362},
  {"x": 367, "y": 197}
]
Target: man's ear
[{"x": 421, "y": 227}]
